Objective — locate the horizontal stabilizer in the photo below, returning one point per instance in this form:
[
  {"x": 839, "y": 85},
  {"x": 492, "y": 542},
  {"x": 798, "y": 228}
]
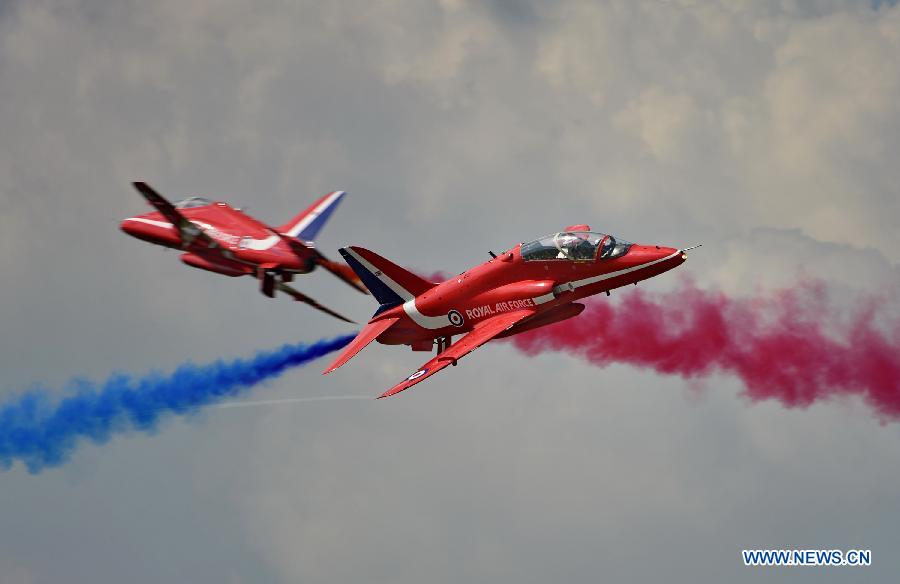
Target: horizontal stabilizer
[
  {"x": 342, "y": 271},
  {"x": 369, "y": 333}
]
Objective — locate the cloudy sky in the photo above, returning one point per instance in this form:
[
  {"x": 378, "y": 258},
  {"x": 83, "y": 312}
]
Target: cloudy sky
[{"x": 767, "y": 130}]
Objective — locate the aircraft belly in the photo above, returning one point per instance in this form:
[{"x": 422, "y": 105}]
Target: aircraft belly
[
  {"x": 398, "y": 335},
  {"x": 212, "y": 263},
  {"x": 283, "y": 261},
  {"x": 407, "y": 331}
]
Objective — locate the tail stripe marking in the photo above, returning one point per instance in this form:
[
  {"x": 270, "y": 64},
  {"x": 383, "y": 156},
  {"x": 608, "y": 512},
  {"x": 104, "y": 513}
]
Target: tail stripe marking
[
  {"x": 423, "y": 320},
  {"x": 396, "y": 288},
  {"x": 321, "y": 213}
]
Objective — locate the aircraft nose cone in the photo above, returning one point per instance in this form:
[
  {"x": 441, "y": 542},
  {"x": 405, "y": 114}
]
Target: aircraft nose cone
[
  {"x": 674, "y": 255},
  {"x": 662, "y": 257},
  {"x": 134, "y": 227},
  {"x": 656, "y": 253},
  {"x": 128, "y": 226},
  {"x": 664, "y": 252}
]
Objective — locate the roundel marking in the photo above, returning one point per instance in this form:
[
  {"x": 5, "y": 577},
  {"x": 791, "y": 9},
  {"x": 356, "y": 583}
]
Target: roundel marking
[
  {"x": 417, "y": 374},
  {"x": 456, "y": 318}
]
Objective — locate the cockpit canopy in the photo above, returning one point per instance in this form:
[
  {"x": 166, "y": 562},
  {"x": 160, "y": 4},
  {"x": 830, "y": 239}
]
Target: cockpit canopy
[
  {"x": 582, "y": 246},
  {"x": 192, "y": 202}
]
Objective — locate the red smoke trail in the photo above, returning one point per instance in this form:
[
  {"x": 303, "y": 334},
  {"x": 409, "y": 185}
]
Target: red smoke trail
[{"x": 790, "y": 345}]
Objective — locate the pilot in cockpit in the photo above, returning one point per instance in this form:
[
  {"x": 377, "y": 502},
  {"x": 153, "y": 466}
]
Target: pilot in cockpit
[
  {"x": 565, "y": 243},
  {"x": 574, "y": 246}
]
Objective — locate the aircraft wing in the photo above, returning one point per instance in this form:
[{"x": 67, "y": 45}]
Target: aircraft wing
[
  {"x": 188, "y": 231},
  {"x": 483, "y": 332},
  {"x": 301, "y": 297}
]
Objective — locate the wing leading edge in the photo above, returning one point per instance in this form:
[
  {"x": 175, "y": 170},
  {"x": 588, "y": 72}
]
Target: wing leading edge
[{"x": 483, "y": 332}]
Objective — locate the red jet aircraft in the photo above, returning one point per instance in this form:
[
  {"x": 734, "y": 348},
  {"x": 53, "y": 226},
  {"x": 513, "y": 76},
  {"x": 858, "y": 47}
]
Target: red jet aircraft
[
  {"x": 530, "y": 286},
  {"x": 221, "y": 239}
]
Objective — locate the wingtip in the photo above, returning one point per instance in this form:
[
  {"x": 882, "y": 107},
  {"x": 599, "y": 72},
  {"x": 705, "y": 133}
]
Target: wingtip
[{"x": 393, "y": 391}]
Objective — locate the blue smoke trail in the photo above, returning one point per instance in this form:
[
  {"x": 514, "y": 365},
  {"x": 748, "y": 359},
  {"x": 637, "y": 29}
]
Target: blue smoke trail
[{"x": 43, "y": 434}]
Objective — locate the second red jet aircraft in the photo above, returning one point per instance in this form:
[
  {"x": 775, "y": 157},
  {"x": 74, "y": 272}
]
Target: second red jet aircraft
[{"x": 221, "y": 239}]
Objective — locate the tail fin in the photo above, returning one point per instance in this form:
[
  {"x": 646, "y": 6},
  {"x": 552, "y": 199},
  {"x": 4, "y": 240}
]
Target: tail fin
[
  {"x": 389, "y": 283},
  {"x": 307, "y": 224}
]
